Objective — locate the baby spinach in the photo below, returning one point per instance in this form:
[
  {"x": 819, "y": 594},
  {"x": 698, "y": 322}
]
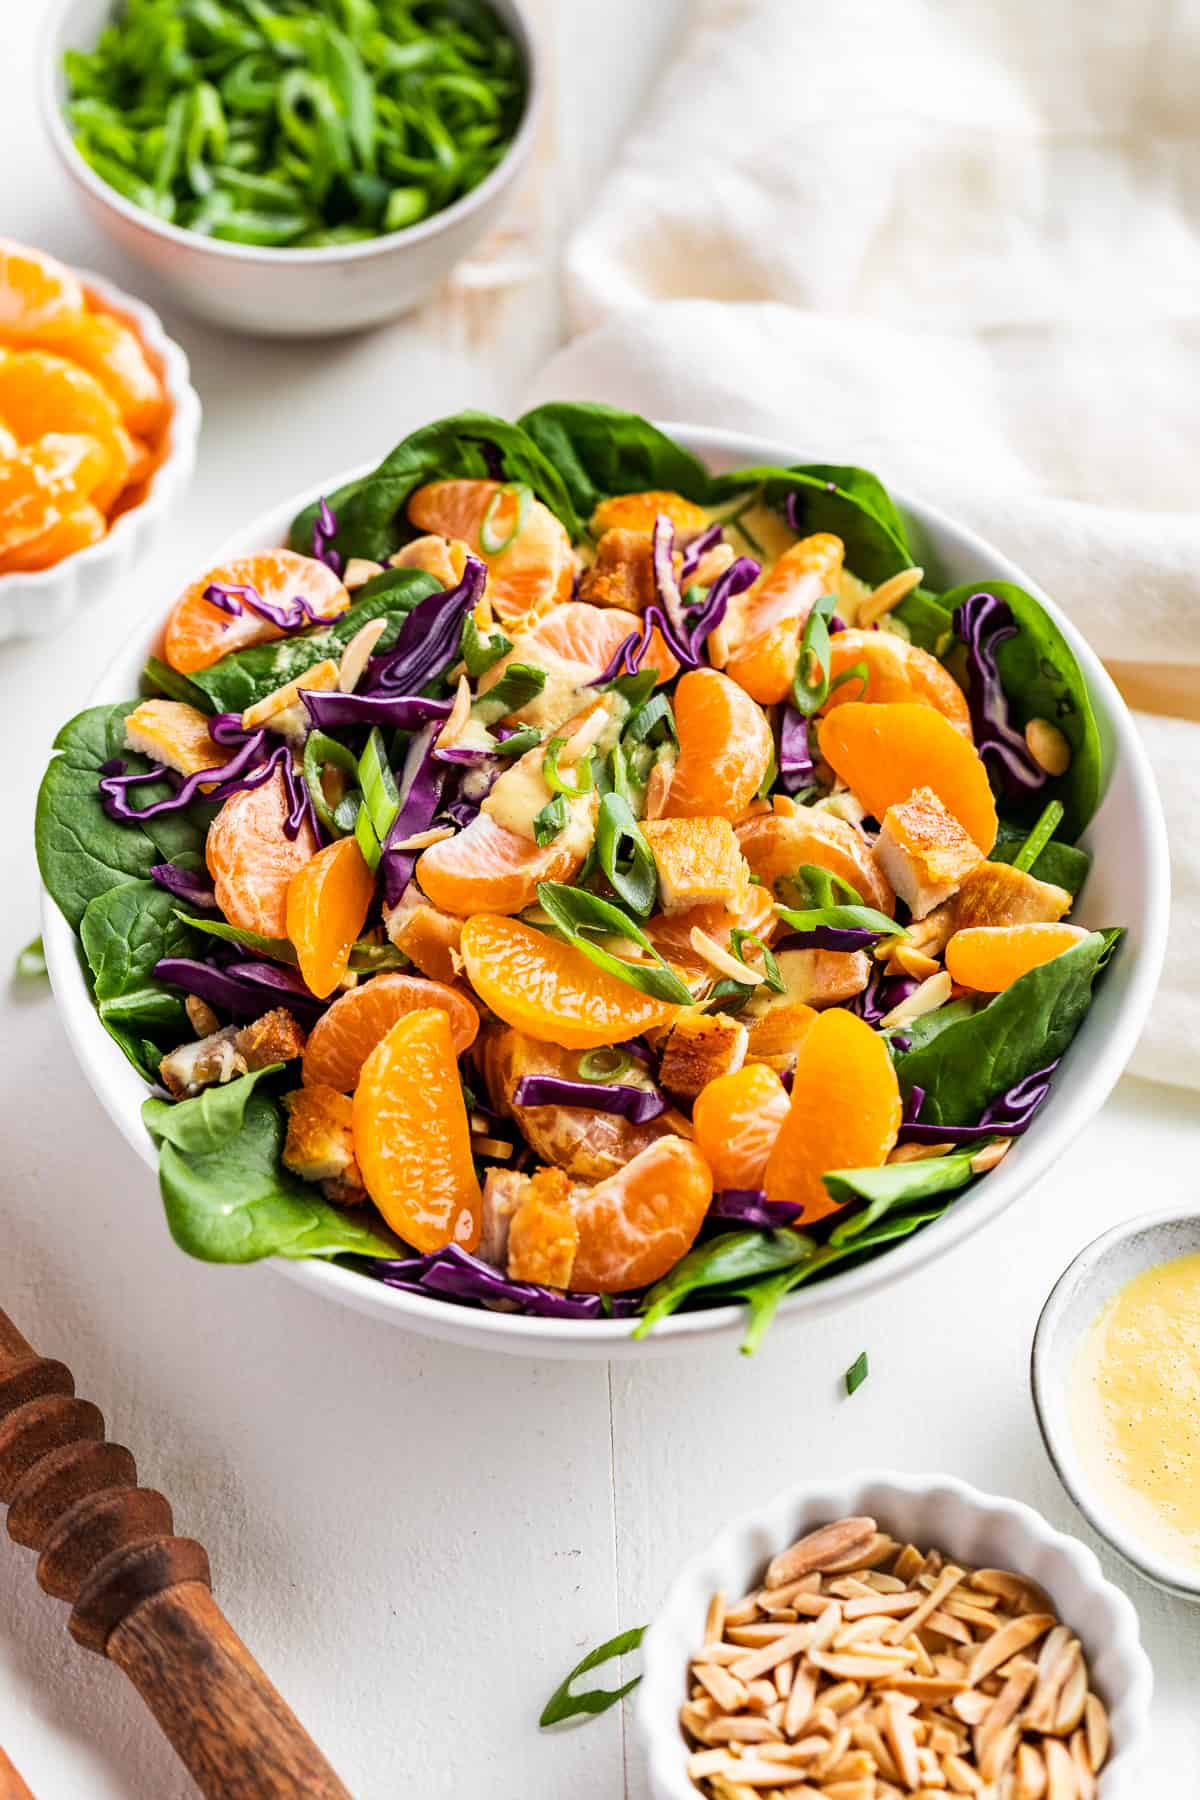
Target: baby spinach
[
  {"x": 892, "y": 1187},
  {"x": 849, "y": 502},
  {"x": 236, "y": 1203},
  {"x": 732, "y": 1258},
  {"x": 81, "y": 852},
  {"x": 124, "y": 932},
  {"x": 1066, "y": 865},
  {"x": 208, "y": 1120},
  {"x": 1042, "y": 680},
  {"x": 978, "y": 1055},
  {"x": 245, "y": 676},
  {"x": 472, "y": 445},
  {"x": 601, "y": 451}
]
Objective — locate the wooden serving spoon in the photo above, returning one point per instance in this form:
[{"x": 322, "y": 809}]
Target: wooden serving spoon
[{"x": 140, "y": 1595}]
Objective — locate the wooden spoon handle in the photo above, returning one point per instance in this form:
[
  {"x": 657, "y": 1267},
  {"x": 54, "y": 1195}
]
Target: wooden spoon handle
[{"x": 139, "y": 1594}]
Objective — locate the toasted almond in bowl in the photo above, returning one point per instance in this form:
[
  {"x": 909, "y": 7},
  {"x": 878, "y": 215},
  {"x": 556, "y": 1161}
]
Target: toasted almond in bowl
[{"x": 893, "y": 1635}]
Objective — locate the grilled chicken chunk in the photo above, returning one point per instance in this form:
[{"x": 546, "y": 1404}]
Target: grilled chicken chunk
[
  {"x": 622, "y": 573},
  {"x": 698, "y": 862},
  {"x": 924, "y": 851},
  {"x": 175, "y": 734},
  {"x": 320, "y": 1142},
  {"x": 997, "y": 894},
  {"x": 543, "y": 1236},
  {"x": 232, "y": 1051},
  {"x": 700, "y": 1047}
]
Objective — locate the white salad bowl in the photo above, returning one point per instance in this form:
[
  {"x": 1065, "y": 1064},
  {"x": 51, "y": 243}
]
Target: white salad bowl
[
  {"x": 42, "y": 601},
  {"x": 282, "y": 292},
  {"x": 1128, "y": 885},
  {"x": 933, "y": 1512},
  {"x": 1083, "y": 1289}
]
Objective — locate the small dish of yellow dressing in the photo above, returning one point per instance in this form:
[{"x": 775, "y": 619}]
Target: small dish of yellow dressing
[{"x": 1134, "y": 1404}]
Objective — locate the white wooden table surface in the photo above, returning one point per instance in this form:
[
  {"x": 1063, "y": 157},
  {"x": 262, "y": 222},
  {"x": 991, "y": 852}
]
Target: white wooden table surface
[{"x": 415, "y": 1542}]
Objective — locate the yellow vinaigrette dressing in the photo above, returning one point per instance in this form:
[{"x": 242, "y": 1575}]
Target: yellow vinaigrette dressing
[{"x": 1135, "y": 1407}]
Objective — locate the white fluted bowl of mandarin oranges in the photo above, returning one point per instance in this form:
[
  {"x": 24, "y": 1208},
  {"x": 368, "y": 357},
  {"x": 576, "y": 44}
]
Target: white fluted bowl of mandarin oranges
[
  {"x": 584, "y": 886},
  {"x": 98, "y": 429}
]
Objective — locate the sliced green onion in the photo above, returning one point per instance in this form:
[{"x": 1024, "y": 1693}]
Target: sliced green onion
[
  {"x": 526, "y": 739},
  {"x": 519, "y": 684},
  {"x": 857, "y": 1373},
  {"x": 769, "y": 776},
  {"x": 813, "y": 886},
  {"x": 31, "y": 965},
  {"x": 1039, "y": 837},
  {"x": 550, "y": 821},
  {"x": 625, "y": 855},
  {"x": 810, "y": 682},
  {"x": 607, "y": 1064},
  {"x": 479, "y": 652},
  {"x": 770, "y": 968},
  {"x": 322, "y": 751},
  {"x": 653, "y": 722},
  {"x": 842, "y": 918},
  {"x": 381, "y": 797},
  {"x": 563, "y": 1704},
  {"x": 555, "y": 782},
  {"x": 368, "y": 843},
  {"x": 574, "y": 915},
  {"x": 489, "y": 541},
  {"x": 633, "y": 689}
]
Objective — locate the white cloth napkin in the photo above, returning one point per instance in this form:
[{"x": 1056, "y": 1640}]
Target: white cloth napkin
[{"x": 959, "y": 244}]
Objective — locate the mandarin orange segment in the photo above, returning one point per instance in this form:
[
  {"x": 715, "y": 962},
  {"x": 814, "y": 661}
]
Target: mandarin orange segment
[
  {"x": 637, "y": 512},
  {"x": 550, "y": 990},
  {"x": 736, "y": 1121},
  {"x": 896, "y": 670},
  {"x": 345, "y": 1035},
  {"x": 328, "y": 899},
  {"x": 38, "y": 295},
  {"x": 533, "y": 570},
  {"x": 44, "y": 482},
  {"x": 990, "y": 958},
  {"x": 252, "y": 860},
  {"x": 765, "y": 623},
  {"x": 41, "y": 392},
  {"x": 412, "y": 1139},
  {"x": 112, "y": 352},
  {"x": 487, "y": 868},
  {"x": 725, "y": 748},
  {"x": 776, "y": 844},
  {"x": 635, "y": 1226},
  {"x": 671, "y": 934},
  {"x": 83, "y": 525},
  {"x": 884, "y": 753},
  {"x": 577, "y": 641},
  {"x": 199, "y": 634},
  {"x": 845, "y": 1113}
]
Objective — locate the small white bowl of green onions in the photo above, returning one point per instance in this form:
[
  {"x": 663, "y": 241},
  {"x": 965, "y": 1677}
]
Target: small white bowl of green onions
[{"x": 291, "y": 167}]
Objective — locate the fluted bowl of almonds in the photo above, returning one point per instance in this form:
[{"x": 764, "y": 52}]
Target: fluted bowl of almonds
[{"x": 885, "y": 1635}]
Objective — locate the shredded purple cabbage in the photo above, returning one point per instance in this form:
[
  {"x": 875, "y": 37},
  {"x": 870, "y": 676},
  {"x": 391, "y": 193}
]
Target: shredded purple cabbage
[
  {"x": 454, "y": 1274},
  {"x": 186, "y": 884},
  {"x": 831, "y": 937},
  {"x": 225, "y": 779},
  {"x": 683, "y": 631},
  {"x": 697, "y": 548},
  {"x": 637, "y": 1104},
  {"x": 429, "y": 637},
  {"x": 880, "y": 995},
  {"x": 796, "y": 768},
  {"x": 402, "y": 712},
  {"x": 323, "y": 533},
  {"x": 242, "y": 990},
  {"x": 983, "y": 622},
  {"x": 1008, "y": 1115},
  {"x": 421, "y": 784},
  {"x": 296, "y": 615},
  {"x": 750, "y": 1206}
]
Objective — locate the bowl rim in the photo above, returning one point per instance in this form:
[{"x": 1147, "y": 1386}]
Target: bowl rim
[
  {"x": 1048, "y": 1389},
  {"x": 49, "y": 56},
  {"x": 606, "y": 1337},
  {"x": 656, "y": 1704},
  {"x": 183, "y": 429}
]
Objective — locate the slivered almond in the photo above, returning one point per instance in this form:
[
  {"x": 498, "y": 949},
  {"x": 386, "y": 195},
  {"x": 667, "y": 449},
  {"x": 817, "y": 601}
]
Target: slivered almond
[
  {"x": 790, "y": 1642},
  {"x": 928, "y": 1688},
  {"x": 1095, "y": 1721},
  {"x": 1030, "y": 1773},
  {"x": 456, "y": 718},
  {"x": 728, "y": 1692},
  {"x": 724, "y": 961},
  {"x": 945, "y": 1584},
  {"x": 358, "y": 653},
  {"x": 714, "y": 1620},
  {"x": 1073, "y": 1698},
  {"x": 421, "y": 840},
  {"x": 719, "y": 1653},
  {"x": 914, "y": 962},
  {"x": 889, "y": 593},
  {"x": 898, "y": 1735},
  {"x": 905, "y": 1153},
  {"x": 960, "y": 1777},
  {"x": 948, "y": 1627},
  {"x": 317, "y": 680},
  {"x": 879, "y": 1548},
  {"x": 1085, "y": 1780},
  {"x": 819, "y": 1550},
  {"x": 763, "y": 1631},
  {"x": 927, "y": 998},
  {"x": 1018, "y": 1594},
  {"x": 1012, "y": 1638},
  {"x": 360, "y": 570},
  {"x": 849, "y": 1666},
  {"x": 990, "y": 1155},
  {"x": 799, "y": 1702},
  {"x": 742, "y": 1730},
  {"x": 1061, "y": 1782}
]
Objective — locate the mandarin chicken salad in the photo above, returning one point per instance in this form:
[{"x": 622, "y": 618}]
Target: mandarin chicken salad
[{"x": 567, "y": 881}]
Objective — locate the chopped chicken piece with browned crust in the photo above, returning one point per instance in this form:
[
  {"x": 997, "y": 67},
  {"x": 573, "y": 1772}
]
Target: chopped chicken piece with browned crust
[
  {"x": 543, "y": 1236},
  {"x": 994, "y": 893},
  {"x": 206, "y": 1062},
  {"x": 430, "y": 939},
  {"x": 622, "y": 573},
  {"x": 699, "y": 862},
  {"x": 175, "y": 734},
  {"x": 501, "y": 1198},
  {"x": 276, "y": 1037},
  {"x": 816, "y": 978},
  {"x": 701, "y": 1046},
  {"x": 924, "y": 851},
  {"x": 320, "y": 1139}
]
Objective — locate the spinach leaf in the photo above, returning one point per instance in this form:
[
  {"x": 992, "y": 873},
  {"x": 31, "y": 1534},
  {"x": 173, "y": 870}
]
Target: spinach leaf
[
  {"x": 732, "y": 1257},
  {"x": 237, "y": 1203},
  {"x": 245, "y": 676},
  {"x": 930, "y": 624},
  {"x": 81, "y": 852},
  {"x": 210, "y": 1119},
  {"x": 601, "y": 450},
  {"x": 1066, "y": 865},
  {"x": 124, "y": 932},
  {"x": 894, "y": 1186},
  {"x": 474, "y": 445},
  {"x": 974, "y": 1059},
  {"x": 1042, "y": 680},
  {"x": 844, "y": 501}
]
